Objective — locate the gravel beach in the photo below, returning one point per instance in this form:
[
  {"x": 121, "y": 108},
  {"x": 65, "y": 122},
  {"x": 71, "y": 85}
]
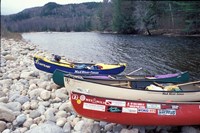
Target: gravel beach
[{"x": 30, "y": 102}]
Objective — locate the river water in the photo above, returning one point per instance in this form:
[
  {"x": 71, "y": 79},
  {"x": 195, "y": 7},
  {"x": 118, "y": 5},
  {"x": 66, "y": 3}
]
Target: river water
[{"x": 155, "y": 54}]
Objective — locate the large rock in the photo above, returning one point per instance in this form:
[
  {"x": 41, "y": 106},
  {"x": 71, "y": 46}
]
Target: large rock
[
  {"x": 14, "y": 106},
  {"x": 46, "y": 128},
  {"x": 6, "y": 114},
  {"x": 2, "y": 126},
  {"x": 9, "y": 57}
]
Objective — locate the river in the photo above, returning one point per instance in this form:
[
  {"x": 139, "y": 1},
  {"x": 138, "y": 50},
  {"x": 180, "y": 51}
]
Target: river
[{"x": 155, "y": 54}]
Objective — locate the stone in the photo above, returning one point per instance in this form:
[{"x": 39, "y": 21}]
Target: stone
[
  {"x": 129, "y": 131},
  {"x": 13, "y": 96},
  {"x": 67, "y": 128},
  {"x": 61, "y": 114},
  {"x": 46, "y": 128},
  {"x": 87, "y": 126},
  {"x": 26, "y": 106},
  {"x": 6, "y": 114},
  {"x": 2, "y": 94},
  {"x": 22, "y": 99},
  {"x": 61, "y": 121},
  {"x": 49, "y": 115},
  {"x": 34, "y": 114},
  {"x": 66, "y": 106},
  {"x": 41, "y": 109},
  {"x": 2, "y": 126},
  {"x": 25, "y": 75},
  {"x": 45, "y": 95},
  {"x": 61, "y": 93},
  {"x": 74, "y": 121},
  {"x": 33, "y": 94},
  {"x": 71, "y": 118},
  {"x": 103, "y": 123},
  {"x": 117, "y": 128},
  {"x": 4, "y": 53},
  {"x": 34, "y": 104},
  {"x": 189, "y": 129},
  {"x": 32, "y": 86},
  {"x": 109, "y": 127},
  {"x": 4, "y": 99},
  {"x": 56, "y": 105},
  {"x": 43, "y": 84},
  {"x": 28, "y": 122},
  {"x": 79, "y": 125},
  {"x": 9, "y": 57},
  {"x": 33, "y": 125},
  {"x": 7, "y": 131},
  {"x": 20, "y": 119},
  {"x": 96, "y": 128}
]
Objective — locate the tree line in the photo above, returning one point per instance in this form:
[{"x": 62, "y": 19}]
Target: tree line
[{"x": 121, "y": 16}]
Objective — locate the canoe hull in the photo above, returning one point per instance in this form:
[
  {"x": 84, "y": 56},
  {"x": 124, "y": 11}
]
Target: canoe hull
[
  {"x": 72, "y": 83},
  {"x": 135, "y": 112},
  {"x": 137, "y": 81},
  {"x": 51, "y": 67}
]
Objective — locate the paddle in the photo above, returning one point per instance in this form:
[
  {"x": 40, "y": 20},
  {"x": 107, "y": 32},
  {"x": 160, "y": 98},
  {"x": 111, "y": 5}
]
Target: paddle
[
  {"x": 170, "y": 87},
  {"x": 134, "y": 71},
  {"x": 194, "y": 82}
]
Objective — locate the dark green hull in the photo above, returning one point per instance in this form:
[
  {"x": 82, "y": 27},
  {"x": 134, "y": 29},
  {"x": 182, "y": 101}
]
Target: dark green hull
[{"x": 137, "y": 81}]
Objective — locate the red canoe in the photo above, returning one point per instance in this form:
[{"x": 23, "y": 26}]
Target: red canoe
[{"x": 135, "y": 112}]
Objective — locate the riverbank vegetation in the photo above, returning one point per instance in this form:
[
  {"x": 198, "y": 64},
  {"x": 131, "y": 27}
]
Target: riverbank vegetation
[
  {"x": 7, "y": 34},
  {"x": 119, "y": 16}
]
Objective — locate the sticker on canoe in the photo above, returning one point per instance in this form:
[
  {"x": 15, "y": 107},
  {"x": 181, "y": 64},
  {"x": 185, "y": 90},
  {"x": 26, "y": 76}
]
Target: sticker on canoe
[
  {"x": 78, "y": 101},
  {"x": 92, "y": 106},
  {"x": 173, "y": 93},
  {"x": 147, "y": 110},
  {"x": 85, "y": 72},
  {"x": 166, "y": 112},
  {"x": 136, "y": 105},
  {"x": 114, "y": 109},
  {"x": 153, "y": 106},
  {"x": 115, "y": 103},
  {"x": 42, "y": 64},
  {"x": 74, "y": 97},
  {"x": 82, "y": 97},
  {"x": 129, "y": 110},
  {"x": 94, "y": 100},
  {"x": 167, "y": 106}
]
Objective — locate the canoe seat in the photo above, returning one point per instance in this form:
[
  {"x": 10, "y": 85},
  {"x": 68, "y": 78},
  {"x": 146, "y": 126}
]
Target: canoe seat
[{"x": 154, "y": 87}]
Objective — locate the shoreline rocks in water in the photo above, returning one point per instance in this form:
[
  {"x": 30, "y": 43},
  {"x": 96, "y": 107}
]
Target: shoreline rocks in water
[{"x": 30, "y": 102}]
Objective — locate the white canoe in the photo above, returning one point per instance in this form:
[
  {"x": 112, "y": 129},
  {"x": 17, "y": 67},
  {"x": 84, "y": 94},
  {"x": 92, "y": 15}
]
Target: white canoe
[{"x": 188, "y": 91}]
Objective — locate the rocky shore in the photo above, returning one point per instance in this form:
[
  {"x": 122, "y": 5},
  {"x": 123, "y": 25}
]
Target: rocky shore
[{"x": 31, "y": 103}]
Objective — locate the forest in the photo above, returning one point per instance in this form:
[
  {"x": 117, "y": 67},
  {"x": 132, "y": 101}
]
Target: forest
[{"x": 115, "y": 16}]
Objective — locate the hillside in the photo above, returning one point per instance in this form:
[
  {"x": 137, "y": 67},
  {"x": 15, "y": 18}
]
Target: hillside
[
  {"x": 126, "y": 17},
  {"x": 53, "y": 17}
]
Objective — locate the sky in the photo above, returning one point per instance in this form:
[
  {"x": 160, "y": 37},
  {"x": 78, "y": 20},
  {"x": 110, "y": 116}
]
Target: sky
[{"x": 15, "y": 6}]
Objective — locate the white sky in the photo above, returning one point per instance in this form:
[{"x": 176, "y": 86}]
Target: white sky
[{"x": 15, "y": 6}]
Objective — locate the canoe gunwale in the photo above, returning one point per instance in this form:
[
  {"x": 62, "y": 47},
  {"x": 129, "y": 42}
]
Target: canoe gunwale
[{"x": 164, "y": 91}]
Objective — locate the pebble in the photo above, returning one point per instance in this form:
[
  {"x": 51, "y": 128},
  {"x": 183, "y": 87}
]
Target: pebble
[{"x": 30, "y": 102}]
